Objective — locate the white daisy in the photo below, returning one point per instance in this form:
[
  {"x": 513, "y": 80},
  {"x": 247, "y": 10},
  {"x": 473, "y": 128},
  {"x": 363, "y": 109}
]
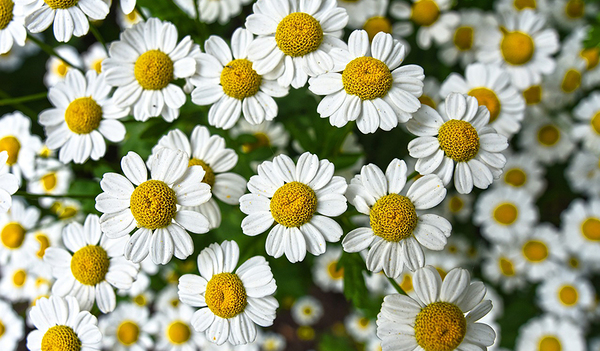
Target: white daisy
[
  {"x": 231, "y": 303},
  {"x": 128, "y": 20},
  {"x": 520, "y": 5},
  {"x": 12, "y": 25},
  {"x": 547, "y": 139},
  {"x": 51, "y": 177},
  {"x": 16, "y": 56},
  {"x": 93, "y": 57},
  {"x": 143, "y": 64},
  {"x": 326, "y": 273},
  {"x": 17, "y": 283},
  {"x": 307, "y": 310},
  {"x": 369, "y": 86},
  {"x": 359, "y": 327},
  {"x": 271, "y": 341},
  {"x": 570, "y": 14},
  {"x": 12, "y": 327},
  {"x": 296, "y": 39},
  {"x": 523, "y": 172},
  {"x": 47, "y": 234},
  {"x": 587, "y": 113},
  {"x": 9, "y": 183},
  {"x": 16, "y": 242},
  {"x": 550, "y": 333},
  {"x": 443, "y": 316},
  {"x": 56, "y": 69},
  {"x": 299, "y": 198},
  {"x": 173, "y": 331},
  {"x": 456, "y": 206},
  {"x": 152, "y": 206},
  {"x": 397, "y": 232},
  {"x": 460, "y": 135},
  {"x": 126, "y": 328},
  {"x": 541, "y": 252},
  {"x": 567, "y": 295},
  {"x": 431, "y": 92},
  {"x": 583, "y": 173},
  {"x": 16, "y": 139},
  {"x": 564, "y": 85},
  {"x": 574, "y": 43},
  {"x": 267, "y": 134},
  {"x": 501, "y": 266},
  {"x": 581, "y": 229}
]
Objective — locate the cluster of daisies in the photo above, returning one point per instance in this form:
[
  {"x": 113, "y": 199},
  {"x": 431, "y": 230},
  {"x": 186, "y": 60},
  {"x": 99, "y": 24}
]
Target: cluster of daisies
[{"x": 150, "y": 205}]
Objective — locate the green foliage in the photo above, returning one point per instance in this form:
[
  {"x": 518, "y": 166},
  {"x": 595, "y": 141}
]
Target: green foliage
[
  {"x": 355, "y": 289},
  {"x": 330, "y": 342}
]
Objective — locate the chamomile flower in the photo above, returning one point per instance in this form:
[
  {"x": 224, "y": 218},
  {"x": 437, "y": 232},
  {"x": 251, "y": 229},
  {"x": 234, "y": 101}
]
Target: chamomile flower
[
  {"x": 270, "y": 341},
  {"x": 126, "y": 21},
  {"x": 227, "y": 81},
  {"x": 16, "y": 56},
  {"x": 460, "y": 136},
  {"x": 152, "y": 205},
  {"x": 522, "y": 172},
  {"x": 541, "y": 252},
  {"x": 563, "y": 86},
  {"x": 299, "y": 198},
  {"x": 581, "y": 228},
  {"x": 51, "y": 177},
  {"x": 547, "y": 139},
  {"x": 550, "y": 333},
  {"x": 295, "y": 38},
  {"x": 570, "y": 14},
  {"x": 431, "y": 92},
  {"x": 16, "y": 139},
  {"x": 48, "y": 234},
  {"x": 520, "y": 5},
  {"x": 267, "y": 134},
  {"x": 9, "y": 183},
  {"x": 587, "y": 128},
  {"x": 326, "y": 273},
  {"x": 307, "y": 310},
  {"x": 60, "y": 324},
  {"x": 583, "y": 173},
  {"x": 370, "y": 87},
  {"x": 18, "y": 282},
  {"x": 11, "y": 331},
  {"x": 502, "y": 266},
  {"x": 16, "y": 243},
  {"x": 231, "y": 303},
  {"x": 12, "y": 25},
  {"x": 93, "y": 57},
  {"x": 566, "y": 295},
  {"x": 173, "y": 330},
  {"x": 143, "y": 64},
  {"x": 56, "y": 69},
  {"x": 456, "y": 206},
  {"x": 359, "y": 327},
  {"x": 125, "y": 328},
  {"x": 376, "y": 20},
  {"x": 397, "y": 233},
  {"x": 590, "y": 56},
  {"x": 442, "y": 316}
]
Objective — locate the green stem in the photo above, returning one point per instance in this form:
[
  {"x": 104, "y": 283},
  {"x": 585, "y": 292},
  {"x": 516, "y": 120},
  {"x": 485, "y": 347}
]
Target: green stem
[
  {"x": 98, "y": 36},
  {"x": 412, "y": 175},
  {"x": 18, "y": 100},
  {"x": 396, "y": 286},
  {"x": 50, "y": 51},
  {"x": 38, "y": 196},
  {"x": 26, "y": 110}
]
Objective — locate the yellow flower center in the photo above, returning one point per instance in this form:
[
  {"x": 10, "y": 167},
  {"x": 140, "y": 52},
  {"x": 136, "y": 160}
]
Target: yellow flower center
[
  {"x": 575, "y": 9},
  {"x": 367, "y": 77},
  {"x": 44, "y": 244},
  {"x": 506, "y": 267},
  {"x": 60, "y": 338},
  {"x": 406, "y": 283},
  {"x": 517, "y": 47},
  {"x": 533, "y": 95},
  {"x": 12, "y": 235},
  {"x": 62, "y": 68},
  {"x": 574, "y": 262},
  {"x": 178, "y": 332},
  {"x": 393, "y": 217},
  {"x": 49, "y": 181},
  {"x": 364, "y": 322},
  {"x": 298, "y": 34},
  {"x": 97, "y": 66},
  {"x": 2, "y": 329},
  {"x": 515, "y": 177},
  {"x": 459, "y": 140},
  {"x": 6, "y": 13},
  {"x": 293, "y": 204},
  {"x": 506, "y": 213},
  {"x": 45, "y": 152},
  {"x": 377, "y": 24},
  {"x": 456, "y": 204},
  {"x": 549, "y": 343},
  {"x": 463, "y": 38},
  {"x": 262, "y": 140},
  {"x": 89, "y": 264},
  {"x": 19, "y": 278},
  {"x": 334, "y": 272},
  {"x": 174, "y": 302},
  {"x": 128, "y": 332},
  {"x": 83, "y": 115},
  {"x": 488, "y": 98},
  {"x": 61, "y": 4},
  {"x": 11, "y": 145},
  {"x": 440, "y": 326},
  {"x": 548, "y": 135},
  {"x": 591, "y": 229},
  {"x": 132, "y": 16},
  {"x": 425, "y": 12},
  {"x": 225, "y": 295},
  {"x": 524, "y": 4},
  {"x": 595, "y": 121},
  {"x": 153, "y": 70},
  {"x": 567, "y": 295},
  {"x": 209, "y": 174},
  {"x": 427, "y": 100},
  {"x": 535, "y": 251},
  {"x": 571, "y": 81},
  {"x": 305, "y": 333},
  {"x": 153, "y": 204},
  {"x": 591, "y": 57},
  {"x": 140, "y": 300},
  {"x": 239, "y": 80}
]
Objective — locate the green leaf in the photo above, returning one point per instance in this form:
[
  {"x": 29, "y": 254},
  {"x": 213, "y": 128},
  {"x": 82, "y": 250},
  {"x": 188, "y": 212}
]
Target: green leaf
[
  {"x": 355, "y": 289},
  {"x": 329, "y": 342}
]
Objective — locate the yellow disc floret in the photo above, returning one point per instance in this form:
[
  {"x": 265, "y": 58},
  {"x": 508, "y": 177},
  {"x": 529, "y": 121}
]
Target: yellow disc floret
[
  {"x": 153, "y": 204},
  {"x": 293, "y": 204},
  {"x": 488, "y": 98},
  {"x": 535, "y": 251},
  {"x": 377, "y": 24},
  {"x": 548, "y": 135},
  {"x": 6, "y": 13},
  {"x": 262, "y": 140},
  {"x": 456, "y": 204},
  {"x": 549, "y": 343},
  {"x": 12, "y": 235},
  {"x": 19, "y": 277},
  {"x": 49, "y": 181},
  {"x": 393, "y": 217},
  {"x": 60, "y": 338},
  {"x": 178, "y": 332},
  {"x": 591, "y": 57},
  {"x": 515, "y": 177},
  {"x": 463, "y": 38},
  {"x": 427, "y": 100},
  {"x": 367, "y": 77},
  {"x": 575, "y": 9},
  {"x": 591, "y": 229},
  {"x": 517, "y": 47},
  {"x": 209, "y": 174},
  {"x": 595, "y": 122},
  {"x": 440, "y": 326},
  {"x": 11, "y": 145},
  {"x": 61, "y": 4},
  {"x": 571, "y": 81},
  {"x": 506, "y": 267},
  {"x": 225, "y": 295},
  {"x": 425, "y": 12},
  {"x": 298, "y": 34},
  {"x": 567, "y": 295},
  {"x": 239, "y": 80},
  {"x": 506, "y": 213},
  {"x": 2, "y": 329},
  {"x": 533, "y": 95},
  {"x": 335, "y": 272},
  {"x": 44, "y": 244},
  {"x": 524, "y": 4},
  {"x": 459, "y": 140},
  {"x": 128, "y": 332},
  {"x": 83, "y": 115},
  {"x": 153, "y": 70},
  {"x": 89, "y": 264}
]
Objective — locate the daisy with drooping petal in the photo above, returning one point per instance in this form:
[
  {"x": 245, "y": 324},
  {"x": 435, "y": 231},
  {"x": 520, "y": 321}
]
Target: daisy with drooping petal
[
  {"x": 12, "y": 25},
  {"x": 143, "y": 64},
  {"x": 16, "y": 139},
  {"x": 126, "y": 328},
  {"x": 295, "y": 38},
  {"x": 397, "y": 232},
  {"x": 460, "y": 136},
  {"x": 550, "y": 333},
  {"x": 231, "y": 303},
  {"x": 587, "y": 113},
  {"x": 9, "y": 183},
  {"x": 568, "y": 295},
  {"x": 299, "y": 198},
  {"x": 583, "y": 173},
  {"x": 442, "y": 315},
  {"x": 581, "y": 228},
  {"x": 152, "y": 205},
  {"x": 16, "y": 242},
  {"x": 11, "y": 327},
  {"x": 547, "y": 139},
  {"x": 56, "y": 69}
]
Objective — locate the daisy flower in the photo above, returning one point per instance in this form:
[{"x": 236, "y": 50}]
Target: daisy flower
[
  {"x": 583, "y": 173},
  {"x": 15, "y": 57},
  {"x": 369, "y": 86},
  {"x": 590, "y": 56},
  {"x": 267, "y": 134},
  {"x": 460, "y": 136},
  {"x": 16, "y": 243},
  {"x": 93, "y": 57},
  {"x": 227, "y": 81},
  {"x": 547, "y": 139},
  {"x": 326, "y": 273},
  {"x": 376, "y": 20},
  {"x": 295, "y": 38},
  {"x": 12, "y": 327},
  {"x": 581, "y": 229},
  {"x": 68, "y": 17},
  {"x": 523, "y": 172},
  {"x": 48, "y": 234},
  {"x": 152, "y": 205},
  {"x": 587, "y": 128},
  {"x": 550, "y": 333},
  {"x": 125, "y": 328},
  {"x": 431, "y": 92},
  {"x": 456, "y": 206},
  {"x": 51, "y": 177},
  {"x": 567, "y": 295},
  {"x": 299, "y": 198},
  {"x": 231, "y": 303},
  {"x": 143, "y": 64},
  {"x": 307, "y": 310},
  {"x": 56, "y": 69},
  {"x": 503, "y": 267},
  {"x": 541, "y": 252},
  {"x": 60, "y": 324},
  {"x": 359, "y": 327},
  {"x": 520, "y": 5},
  {"x": 173, "y": 331},
  {"x": 564, "y": 85},
  {"x": 18, "y": 282},
  {"x": 397, "y": 232},
  {"x": 570, "y": 14},
  {"x": 9, "y": 183},
  {"x": 442, "y": 316},
  {"x": 127, "y": 20},
  {"x": 16, "y": 139},
  {"x": 12, "y": 26}
]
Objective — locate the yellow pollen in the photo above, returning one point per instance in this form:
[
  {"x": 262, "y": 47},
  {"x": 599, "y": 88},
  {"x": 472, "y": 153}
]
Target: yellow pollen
[
  {"x": 132, "y": 16},
  {"x": 452, "y": 249},
  {"x": 262, "y": 140},
  {"x": 456, "y": 204},
  {"x": 60, "y": 338},
  {"x": 506, "y": 267},
  {"x": 574, "y": 262},
  {"x": 595, "y": 122},
  {"x": 440, "y": 326},
  {"x": 393, "y": 217},
  {"x": 515, "y": 177},
  {"x": 89, "y": 264},
  {"x": 293, "y": 204},
  {"x": 83, "y": 115},
  {"x": 307, "y": 311},
  {"x": 575, "y": 9},
  {"x": 425, "y": 12},
  {"x": 506, "y": 213},
  {"x": 11, "y": 145},
  {"x": 6, "y": 13},
  {"x": 61, "y": 4},
  {"x": 49, "y": 181},
  {"x": 153, "y": 70},
  {"x": 239, "y": 80},
  {"x": 549, "y": 343},
  {"x": 2, "y": 329},
  {"x": 524, "y": 4},
  {"x": 426, "y": 100},
  {"x": 459, "y": 140},
  {"x": 488, "y": 98},
  {"x": 225, "y": 295},
  {"x": 298, "y": 34},
  {"x": 377, "y": 24},
  {"x": 406, "y": 283},
  {"x": 533, "y": 95},
  {"x": 463, "y": 38},
  {"x": 591, "y": 57},
  {"x": 334, "y": 272},
  {"x": 140, "y": 300},
  {"x": 535, "y": 251},
  {"x": 12, "y": 235},
  {"x": 548, "y": 135},
  {"x": 209, "y": 174},
  {"x": 174, "y": 302},
  {"x": 44, "y": 244},
  {"x": 571, "y": 81},
  {"x": 178, "y": 332},
  {"x": 45, "y": 152},
  {"x": 67, "y": 212},
  {"x": 19, "y": 278},
  {"x": 128, "y": 332},
  {"x": 517, "y": 47},
  {"x": 97, "y": 66},
  {"x": 153, "y": 204},
  {"x": 364, "y": 322},
  {"x": 62, "y": 68},
  {"x": 591, "y": 229},
  {"x": 367, "y": 77},
  {"x": 567, "y": 295}
]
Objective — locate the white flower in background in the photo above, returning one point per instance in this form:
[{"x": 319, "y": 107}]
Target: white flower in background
[
  {"x": 456, "y": 207},
  {"x": 547, "y": 139},
  {"x": 268, "y": 134},
  {"x": 128, "y": 20},
  {"x": 573, "y": 44},
  {"x": 359, "y": 11},
  {"x": 173, "y": 331},
  {"x": 9, "y": 183},
  {"x": 502, "y": 266},
  {"x": 18, "y": 282},
  {"x": 51, "y": 177},
  {"x": 16, "y": 139},
  {"x": 581, "y": 229},
  {"x": 56, "y": 69},
  {"x": 14, "y": 59},
  {"x": 523, "y": 172},
  {"x": 125, "y": 329},
  {"x": 359, "y": 327},
  {"x": 564, "y": 85},
  {"x": 583, "y": 173},
  {"x": 541, "y": 252},
  {"x": 12, "y": 25},
  {"x": 548, "y": 332},
  {"x": 431, "y": 92},
  {"x": 307, "y": 310},
  {"x": 326, "y": 273},
  {"x": 570, "y": 14},
  {"x": 93, "y": 57},
  {"x": 12, "y": 327},
  {"x": 48, "y": 234},
  {"x": 587, "y": 127},
  {"x": 16, "y": 242},
  {"x": 567, "y": 295},
  {"x": 520, "y": 5}
]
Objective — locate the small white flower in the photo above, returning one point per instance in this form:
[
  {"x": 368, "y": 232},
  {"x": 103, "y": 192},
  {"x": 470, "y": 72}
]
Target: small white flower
[
  {"x": 502, "y": 266},
  {"x": 57, "y": 69},
  {"x": 17, "y": 244},
  {"x": 568, "y": 295},
  {"x": 93, "y": 57},
  {"x": 550, "y": 333},
  {"x": 583, "y": 173},
  {"x": 581, "y": 229},
  {"x": 16, "y": 139},
  {"x": 307, "y": 310},
  {"x": 523, "y": 172},
  {"x": 125, "y": 329},
  {"x": 541, "y": 252},
  {"x": 9, "y": 183},
  {"x": 547, "y": 139},
  {"x": 12, "y": 327},
  {"x": 587, "y": 113},
  {"x": 326, "y": 273}
]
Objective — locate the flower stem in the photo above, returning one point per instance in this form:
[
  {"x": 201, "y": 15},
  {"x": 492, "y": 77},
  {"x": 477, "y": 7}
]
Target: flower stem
[
  {"x": 38, "y": 196},
  {"x": 50, "y": 51},
  {"x": 412, "y": 175},
  {"x": 397, "y": 287},
  {"x": 18, "y": 100}
]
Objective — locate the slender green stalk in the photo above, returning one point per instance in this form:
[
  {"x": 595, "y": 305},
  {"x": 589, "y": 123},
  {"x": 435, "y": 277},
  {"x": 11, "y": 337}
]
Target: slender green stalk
[
  {"x": 139, "y": 11},
  {"x": 18, "y": 100},
  {"x": 38, "y": 196},
  {"x": 50, "y": 51},
  {"x": 19, "y": 106},
  {"x": 396, "y": 286},
  {"x": 412, "y": 175},
  {"x": 98, "y": 36}
]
